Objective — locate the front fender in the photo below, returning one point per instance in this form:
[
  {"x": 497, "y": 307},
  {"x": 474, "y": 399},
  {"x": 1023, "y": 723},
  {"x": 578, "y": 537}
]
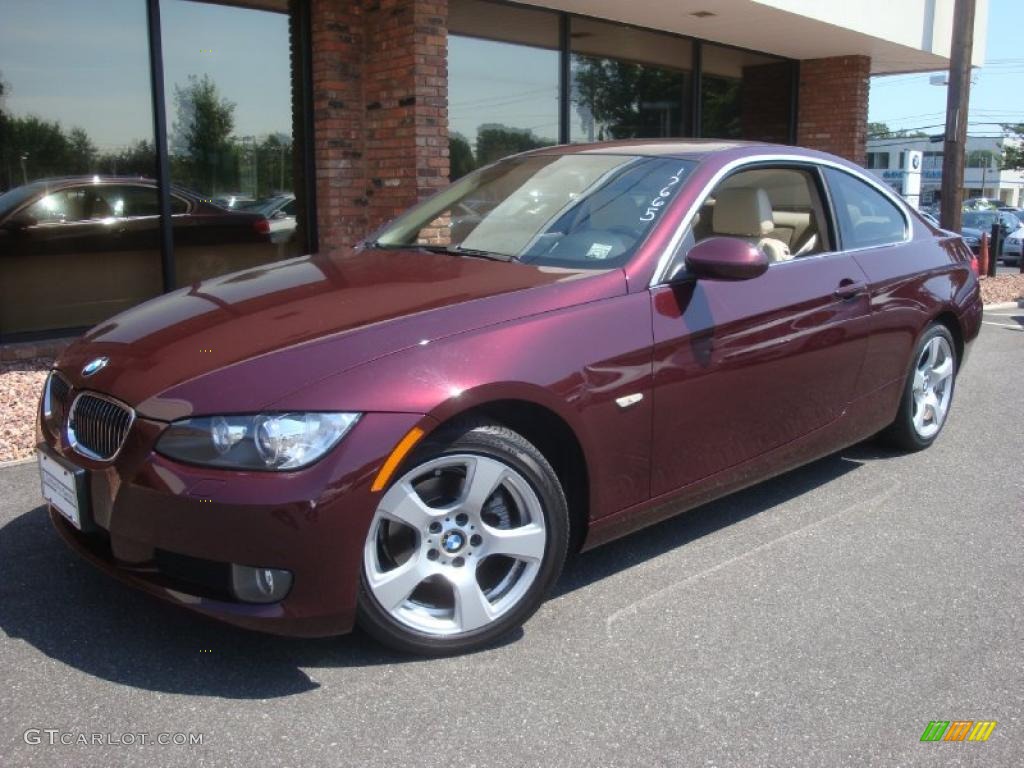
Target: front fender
[{"x": 575, "y": 361}]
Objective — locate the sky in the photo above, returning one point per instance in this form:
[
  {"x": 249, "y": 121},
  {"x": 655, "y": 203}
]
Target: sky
[
  {"x": 910, "y": 101},
  {"x": 61, "y": 60}
]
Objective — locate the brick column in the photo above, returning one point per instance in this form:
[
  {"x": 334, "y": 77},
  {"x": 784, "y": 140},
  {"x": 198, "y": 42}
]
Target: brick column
[
  {"x": 833, "y": 105},
  {"x": 380, "y": 110},
  {"x": 406, "y": 97},
  {"x": 337, "y": 54}
]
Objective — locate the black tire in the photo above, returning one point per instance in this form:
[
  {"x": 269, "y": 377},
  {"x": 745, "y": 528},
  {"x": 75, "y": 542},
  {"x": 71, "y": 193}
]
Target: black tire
[
  {"x": 901, "y": 434},
  {"x": 496, "y": 442}
]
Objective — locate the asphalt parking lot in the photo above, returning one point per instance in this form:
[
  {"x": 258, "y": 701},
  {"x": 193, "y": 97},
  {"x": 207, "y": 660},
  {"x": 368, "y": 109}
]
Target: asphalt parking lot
[{"x": 820, "y": 619}]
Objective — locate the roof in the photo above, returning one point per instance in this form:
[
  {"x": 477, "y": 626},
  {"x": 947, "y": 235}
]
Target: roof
[{"x": 691, "y": 149}]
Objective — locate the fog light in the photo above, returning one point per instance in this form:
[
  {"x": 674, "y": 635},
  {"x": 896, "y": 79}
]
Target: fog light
[{"x": 260, "y": 585}]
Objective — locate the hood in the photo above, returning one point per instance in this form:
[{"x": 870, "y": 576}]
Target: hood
[{"x": 243, "y": 340}]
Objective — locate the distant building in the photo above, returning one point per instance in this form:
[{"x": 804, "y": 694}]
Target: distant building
[{"x": 983, "y": 176}]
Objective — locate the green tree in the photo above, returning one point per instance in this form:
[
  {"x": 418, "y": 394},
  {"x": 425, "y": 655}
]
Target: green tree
[
  {"x": 879, "y": 131},
  {"x": 274, "y": 165},
  {"x": 720, "y": 107},
  {"x": 34, "y": 149},
  {"x": 82, "y": 153},
  {"x": 883, "y": 131},
  {"x": 621, "y": 100},
  {"x": 138, "y": 159},
  {"x": 460, "y": 156},
  {"x": 494, "y": 142},
  {"x": 205, "y": 157},
  {"x": 1013, "y": 154}
]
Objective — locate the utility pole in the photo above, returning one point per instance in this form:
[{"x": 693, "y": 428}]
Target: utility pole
[{"x": 957, "y": 100}]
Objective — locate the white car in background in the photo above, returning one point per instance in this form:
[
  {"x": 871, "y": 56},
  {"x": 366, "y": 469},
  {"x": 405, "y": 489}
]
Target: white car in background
[
  {"x": 280, "y": 211},
  {"x": 977, "y": 222}
]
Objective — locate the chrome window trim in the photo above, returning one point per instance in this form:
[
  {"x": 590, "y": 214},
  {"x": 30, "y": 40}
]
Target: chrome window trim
[
  {"x": 82, "y": 450},
  {"x": 733, "y": 165}
]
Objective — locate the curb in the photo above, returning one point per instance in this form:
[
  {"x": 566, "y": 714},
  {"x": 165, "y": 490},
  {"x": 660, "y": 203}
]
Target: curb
[
  {"x": 1003, "y": 305},
  {"x": 16, "y": 462}
]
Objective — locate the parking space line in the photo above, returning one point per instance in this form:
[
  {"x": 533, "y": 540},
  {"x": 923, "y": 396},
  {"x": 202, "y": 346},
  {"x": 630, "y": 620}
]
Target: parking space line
[
  {"x": 1003, "y": 325},
  {"x": 874, "y": 500}
]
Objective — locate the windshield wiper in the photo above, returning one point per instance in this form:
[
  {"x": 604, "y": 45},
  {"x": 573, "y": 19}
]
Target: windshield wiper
[
  {"x": 458, "y": 250},
  {"x": 454, "y": 250}
]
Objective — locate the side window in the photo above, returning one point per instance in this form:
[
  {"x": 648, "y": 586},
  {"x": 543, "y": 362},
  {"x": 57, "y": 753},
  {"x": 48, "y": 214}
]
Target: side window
[
  {"x": 865, "y": 216},
  {"x": 129, "y": 200},
  {"x": 777, "y": 209},
  {"x": 64, "y": 206}
]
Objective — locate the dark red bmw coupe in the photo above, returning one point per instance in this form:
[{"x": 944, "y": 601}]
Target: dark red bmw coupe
[{"x": 554, "y": 351}]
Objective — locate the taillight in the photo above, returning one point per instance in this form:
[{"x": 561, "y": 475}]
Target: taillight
[
  {"x": 262, "y": 226},
  {"x": 974, "y": 266}
]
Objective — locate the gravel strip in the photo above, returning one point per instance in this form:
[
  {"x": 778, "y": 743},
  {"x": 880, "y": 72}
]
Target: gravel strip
[
  {"x": 996, "y": 290},
  {"x": 20, "y": 384}
]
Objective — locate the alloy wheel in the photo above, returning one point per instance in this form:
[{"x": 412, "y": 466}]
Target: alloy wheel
[
  {"x": 933, "y": 387},
  {"x": 455, "y": 544}
]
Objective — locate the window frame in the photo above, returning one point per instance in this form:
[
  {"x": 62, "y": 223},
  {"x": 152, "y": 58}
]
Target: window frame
[
  {"x": 658, "y": 277},
  {"x": 885, "y": 193},
  {"x": 816, "y": 178}
]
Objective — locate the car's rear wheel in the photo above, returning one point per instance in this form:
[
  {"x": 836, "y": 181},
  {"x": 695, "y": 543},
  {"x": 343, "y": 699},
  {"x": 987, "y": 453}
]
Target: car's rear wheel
[
  {"x": 928, "y": 393},
  {"x": 464, "y": 544}
]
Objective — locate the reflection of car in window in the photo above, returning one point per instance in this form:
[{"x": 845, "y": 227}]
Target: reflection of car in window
[{"x": 67, "y": 237}]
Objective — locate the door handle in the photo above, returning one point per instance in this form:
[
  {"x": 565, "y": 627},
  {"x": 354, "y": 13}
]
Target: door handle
[{"x": 849, "y": 289}]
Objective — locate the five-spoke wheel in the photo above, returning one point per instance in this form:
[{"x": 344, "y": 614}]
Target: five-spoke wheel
[
  {"x": 932, "y": 386},
  {"x": 464, "y": 543},
  {"x": 928, "y": 392}
]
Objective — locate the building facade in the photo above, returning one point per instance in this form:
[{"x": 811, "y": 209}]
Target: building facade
[
  {"x": 984, "y": 176},
  {"x": 317, "y": 120}
]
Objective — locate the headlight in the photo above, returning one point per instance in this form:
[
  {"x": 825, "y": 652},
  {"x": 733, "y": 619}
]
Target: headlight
[{"x": 276, "y": 441}]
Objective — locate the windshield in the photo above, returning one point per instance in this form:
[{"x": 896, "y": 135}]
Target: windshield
[{"x": 575, "y": 211}]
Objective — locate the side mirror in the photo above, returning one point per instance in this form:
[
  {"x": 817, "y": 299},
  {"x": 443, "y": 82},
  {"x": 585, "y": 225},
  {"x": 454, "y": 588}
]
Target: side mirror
[
  {"x": 726, "y": 258},
  {"x": 20, "y": 221}
]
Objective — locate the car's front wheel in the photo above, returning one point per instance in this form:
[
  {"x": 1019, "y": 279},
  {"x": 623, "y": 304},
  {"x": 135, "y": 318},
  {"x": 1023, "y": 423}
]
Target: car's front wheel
[
  {"x": 465, "y": 544},
  {"x": 928, "y": 393}
]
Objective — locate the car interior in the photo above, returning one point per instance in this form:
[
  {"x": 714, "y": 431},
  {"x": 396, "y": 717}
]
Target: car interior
[{"x": 779, "y": 210}]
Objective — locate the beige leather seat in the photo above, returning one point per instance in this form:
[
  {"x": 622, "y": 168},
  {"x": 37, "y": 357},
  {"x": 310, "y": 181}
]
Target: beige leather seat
[{"x": 746, "y": 213}]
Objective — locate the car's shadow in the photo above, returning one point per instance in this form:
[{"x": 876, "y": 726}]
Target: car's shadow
[{"x": 76, "y": 615}]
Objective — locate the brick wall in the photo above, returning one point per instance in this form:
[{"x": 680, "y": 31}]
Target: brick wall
[
  {"x": 380, "y": 115},
  {"x": 833, "y": 105}
]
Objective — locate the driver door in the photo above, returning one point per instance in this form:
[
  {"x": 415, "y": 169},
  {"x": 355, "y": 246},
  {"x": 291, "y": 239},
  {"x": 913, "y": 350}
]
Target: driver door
[{"x": 744, "y": 367}]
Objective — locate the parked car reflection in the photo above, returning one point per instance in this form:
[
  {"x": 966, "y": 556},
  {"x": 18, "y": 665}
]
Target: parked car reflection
[
  {"x": 280, "y": 211},
  {"x": 91, "y": 247}
]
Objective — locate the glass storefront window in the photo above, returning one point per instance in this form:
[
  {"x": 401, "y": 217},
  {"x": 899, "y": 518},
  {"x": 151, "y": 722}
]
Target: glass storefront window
[
  {"x": 744, "y": 95},
  {"x": 628, "y": 83},
  {"x": 228, "y": 100},
  {"x": 502, "y": 82},
  {"x": 76, "y": 124}
]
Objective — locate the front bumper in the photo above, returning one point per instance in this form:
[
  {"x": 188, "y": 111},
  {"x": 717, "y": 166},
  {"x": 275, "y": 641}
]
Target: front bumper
[{"x": 171, "y": 529}]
